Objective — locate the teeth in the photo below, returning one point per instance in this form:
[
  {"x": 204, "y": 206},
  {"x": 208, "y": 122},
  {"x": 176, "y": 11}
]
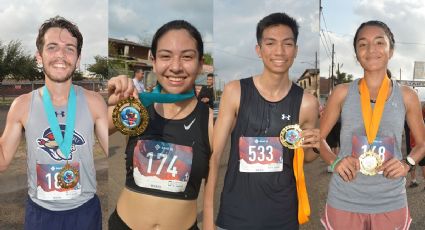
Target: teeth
[
  {"x": 59, "y": 65},
  {"x": 175, "y": 78}
]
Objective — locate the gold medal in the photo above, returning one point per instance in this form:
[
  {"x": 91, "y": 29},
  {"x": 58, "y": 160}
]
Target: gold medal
[
  {"x": 130, "y": 117},
  {"x": 369, "y": 162},
  {"x": 68, "y": 177},
  {"x": 290, "y": 136}
]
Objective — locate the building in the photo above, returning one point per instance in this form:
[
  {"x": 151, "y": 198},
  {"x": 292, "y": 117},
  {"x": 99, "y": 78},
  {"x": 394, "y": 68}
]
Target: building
[{"x": 309, "y": 81}]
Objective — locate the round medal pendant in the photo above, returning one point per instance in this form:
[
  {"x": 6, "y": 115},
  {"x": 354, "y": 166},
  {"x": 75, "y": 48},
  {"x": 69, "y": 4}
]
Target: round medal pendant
[
  {"x": 130, "y": 117},
  {"x": 369, "y": 162},
  {"x": 290, "y": 136},
  {"x": 68, "y": 177}
]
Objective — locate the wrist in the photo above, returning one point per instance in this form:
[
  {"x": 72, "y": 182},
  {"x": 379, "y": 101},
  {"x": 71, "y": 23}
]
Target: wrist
[{"x": 335, "y": 162}]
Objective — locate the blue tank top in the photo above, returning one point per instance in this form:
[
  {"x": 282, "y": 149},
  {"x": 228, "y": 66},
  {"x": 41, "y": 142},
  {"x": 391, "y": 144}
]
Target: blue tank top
[{"x": 265, "y": 200}]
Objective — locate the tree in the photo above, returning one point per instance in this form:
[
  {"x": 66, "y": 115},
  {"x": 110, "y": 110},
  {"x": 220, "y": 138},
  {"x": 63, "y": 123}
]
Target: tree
[
  {"x": 77, "y": 76},
  {"x": 342, "y": 77},
  {"x": 100, "y": 66},
  {"x": 208, "y": 59},
  {"x": 16, "y": 64}
]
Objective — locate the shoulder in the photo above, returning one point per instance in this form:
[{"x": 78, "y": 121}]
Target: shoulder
[
  {"x": 410, "y": 96},
  {"x": 309, "y": 103},
  {"x": 20, "y": 107},
  {"x": 95, "y": 102}
]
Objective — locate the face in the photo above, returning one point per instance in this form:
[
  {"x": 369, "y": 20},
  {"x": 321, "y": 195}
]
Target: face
[
  {"x": 373, "y": 48},
  {"x": 59, "y": 55},
  {"x": 277, "y": 49},
  {"x": 139, "y": 75},
  {"x": 177, "y": 61},
  {"x": 210, "y": 81}
]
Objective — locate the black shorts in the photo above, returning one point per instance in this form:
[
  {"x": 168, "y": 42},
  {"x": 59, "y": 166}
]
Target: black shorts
[{"x": 116, "y": 223}]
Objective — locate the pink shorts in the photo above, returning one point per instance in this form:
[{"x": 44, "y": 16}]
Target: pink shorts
[{"x": 335, "y": 219}]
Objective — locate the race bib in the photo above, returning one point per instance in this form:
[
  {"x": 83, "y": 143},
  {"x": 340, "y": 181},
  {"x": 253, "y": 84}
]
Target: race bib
[
  {"x": 163, "y": 166},
  {"x": 260, "y": 154},
  {"x": 382, "y": 145},
  {"x": 48, "y": 187}
]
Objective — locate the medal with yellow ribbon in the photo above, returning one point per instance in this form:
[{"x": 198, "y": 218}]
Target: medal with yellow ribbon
[
  {"x": 369, "y": 160},
  {"x": 131, "y": 117},
  {"x": 290, "y": 136}
]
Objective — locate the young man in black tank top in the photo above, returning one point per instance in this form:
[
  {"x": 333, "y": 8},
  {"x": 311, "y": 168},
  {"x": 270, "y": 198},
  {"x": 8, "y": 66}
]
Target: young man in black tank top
[{"x": 247, "y": 110}]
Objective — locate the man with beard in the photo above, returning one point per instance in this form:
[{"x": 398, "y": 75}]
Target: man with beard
[{"x": 61, "y": 173}]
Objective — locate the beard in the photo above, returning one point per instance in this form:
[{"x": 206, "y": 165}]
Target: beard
[{"x": 59, "y": 79}]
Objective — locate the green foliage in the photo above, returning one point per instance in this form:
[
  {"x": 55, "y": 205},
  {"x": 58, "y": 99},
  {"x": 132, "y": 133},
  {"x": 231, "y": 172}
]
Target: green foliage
[
  {"x": 100, "y": 66},
  {"x": 208, "y": 59},
  {"x": 15, "y": 63},
  {"x": 342, "y": 77}
]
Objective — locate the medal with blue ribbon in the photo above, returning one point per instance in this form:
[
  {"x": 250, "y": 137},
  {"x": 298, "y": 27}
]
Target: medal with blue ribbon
[
  {"x": 68, "y": 177},
  {"x": 130, "y": 116}
]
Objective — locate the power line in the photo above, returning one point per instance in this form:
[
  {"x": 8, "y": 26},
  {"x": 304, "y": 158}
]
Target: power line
[{"x": 326, "y": 51}]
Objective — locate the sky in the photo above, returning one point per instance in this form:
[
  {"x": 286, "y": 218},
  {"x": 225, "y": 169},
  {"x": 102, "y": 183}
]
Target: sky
[
  {"x": 137, "y": 21},
  {"x": 339, "y": 23},
  {"x": 235, "y": 25},
  {"x": 20, "y": 20}
]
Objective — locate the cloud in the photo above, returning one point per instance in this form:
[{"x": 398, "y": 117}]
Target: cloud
[
  {"x": 21, "y": 20},
  {"x": 234, "y": 35},
  {"x": 404, "y": 18}
]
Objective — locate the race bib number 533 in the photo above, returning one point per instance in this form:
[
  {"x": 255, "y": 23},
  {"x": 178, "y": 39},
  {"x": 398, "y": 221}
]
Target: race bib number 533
[
  {"x": 163, "y": 166},
  {"x": 260, "y": 154}
]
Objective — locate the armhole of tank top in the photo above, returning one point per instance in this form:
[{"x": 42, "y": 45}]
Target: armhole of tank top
[
  {"x": 33, "y": 95},
  {"x": 79, "y": 90},
  {"x": 354, "y": 90},
  {"x": 204, "y": 119},
  {"x": 243, "y": 92}
]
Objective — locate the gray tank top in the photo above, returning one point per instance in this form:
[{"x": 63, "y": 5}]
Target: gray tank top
[
  {"x": 370, "y": 194},
  {"x": 45, "y": 160}
]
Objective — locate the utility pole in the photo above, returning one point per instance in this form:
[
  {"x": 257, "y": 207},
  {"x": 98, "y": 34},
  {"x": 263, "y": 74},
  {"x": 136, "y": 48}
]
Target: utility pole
[
  {"x": 332, "y": 66},
  {"x": 400, "y": 74},
  {"x": 316, "y": 61}
]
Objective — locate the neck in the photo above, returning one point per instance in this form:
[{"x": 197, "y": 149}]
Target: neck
[
  {"x": 373, "y": 81},
  {"x": 58, "y": 91},
  {"x": 274, "y": 85}
]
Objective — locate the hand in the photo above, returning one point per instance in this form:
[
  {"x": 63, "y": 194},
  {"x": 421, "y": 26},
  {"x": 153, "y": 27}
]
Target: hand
[
  {"x": 120, "y": 87},
  {"x": 394, "y": 168},
  {"x": 205, "y": 99},
  {"x": 347, "y": 168},
  {"x": 311, "y": 138}
]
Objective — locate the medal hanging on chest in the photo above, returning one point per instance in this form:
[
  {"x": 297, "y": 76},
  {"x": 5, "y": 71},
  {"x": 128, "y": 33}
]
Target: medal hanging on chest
[
  {"x": 68, "y": 176},
  {"x": 290, "y": 136},
  {"x": 131, "y": 117},
  {"x": 370, "y": 160}
]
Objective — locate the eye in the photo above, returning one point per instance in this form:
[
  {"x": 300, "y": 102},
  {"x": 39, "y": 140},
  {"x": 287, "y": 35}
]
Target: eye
[
  {"x": 164, "y": 56},
  {"x": 187, "y": 57}
]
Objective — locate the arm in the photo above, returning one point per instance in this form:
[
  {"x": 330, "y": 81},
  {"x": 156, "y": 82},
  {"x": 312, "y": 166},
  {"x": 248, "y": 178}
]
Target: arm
[
  {"x": 11, "y": 137},
  {"x": 347, "y": 167},
  {"x": 225, "y": 122},
  {"x": 119, "y": 87},
  {"x": 395, "y": 168},
  {"x": 309, "y": 113},
  {"x": 99, "y": 114}
]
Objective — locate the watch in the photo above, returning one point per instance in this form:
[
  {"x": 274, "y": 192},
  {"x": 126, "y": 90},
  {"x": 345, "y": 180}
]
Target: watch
[{"x": 410, "y": 162}]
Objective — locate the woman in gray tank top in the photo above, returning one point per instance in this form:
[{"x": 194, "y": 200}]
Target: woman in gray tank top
[{"x": 367, "y": 189}]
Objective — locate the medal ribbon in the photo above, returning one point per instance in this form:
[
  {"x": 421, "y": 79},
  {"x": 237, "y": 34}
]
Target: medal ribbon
[
  {"x": 372, "y": 118},
  {"x": 64, "y": 142},
  {"x": 303, "y": 203},
  {"x": 156, "y": 96}
]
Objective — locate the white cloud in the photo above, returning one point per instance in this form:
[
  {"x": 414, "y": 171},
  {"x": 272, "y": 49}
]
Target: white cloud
[{"x": 20, "y": 20}]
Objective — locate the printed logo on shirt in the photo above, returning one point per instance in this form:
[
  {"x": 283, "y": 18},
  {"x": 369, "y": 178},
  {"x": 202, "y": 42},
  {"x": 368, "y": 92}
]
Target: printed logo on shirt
[
  {"x": 187, "y": 127},
  {"x": 287, "y": 117},
  {"x": 49, "y": 145}
]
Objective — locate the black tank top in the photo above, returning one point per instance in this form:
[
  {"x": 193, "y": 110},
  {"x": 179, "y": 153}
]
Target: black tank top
[
  {"x": 266, "y": 200},
  {"x": 192, "y": 132}
]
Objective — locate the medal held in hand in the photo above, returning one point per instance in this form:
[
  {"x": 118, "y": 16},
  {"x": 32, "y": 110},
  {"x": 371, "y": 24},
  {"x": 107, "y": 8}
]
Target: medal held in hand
[
  {"x": 369, "y": 162},
  {"x": 290, "y": 136},
  {"x": 68, "y": 177},
  {"x": 130, "y": 117}
]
